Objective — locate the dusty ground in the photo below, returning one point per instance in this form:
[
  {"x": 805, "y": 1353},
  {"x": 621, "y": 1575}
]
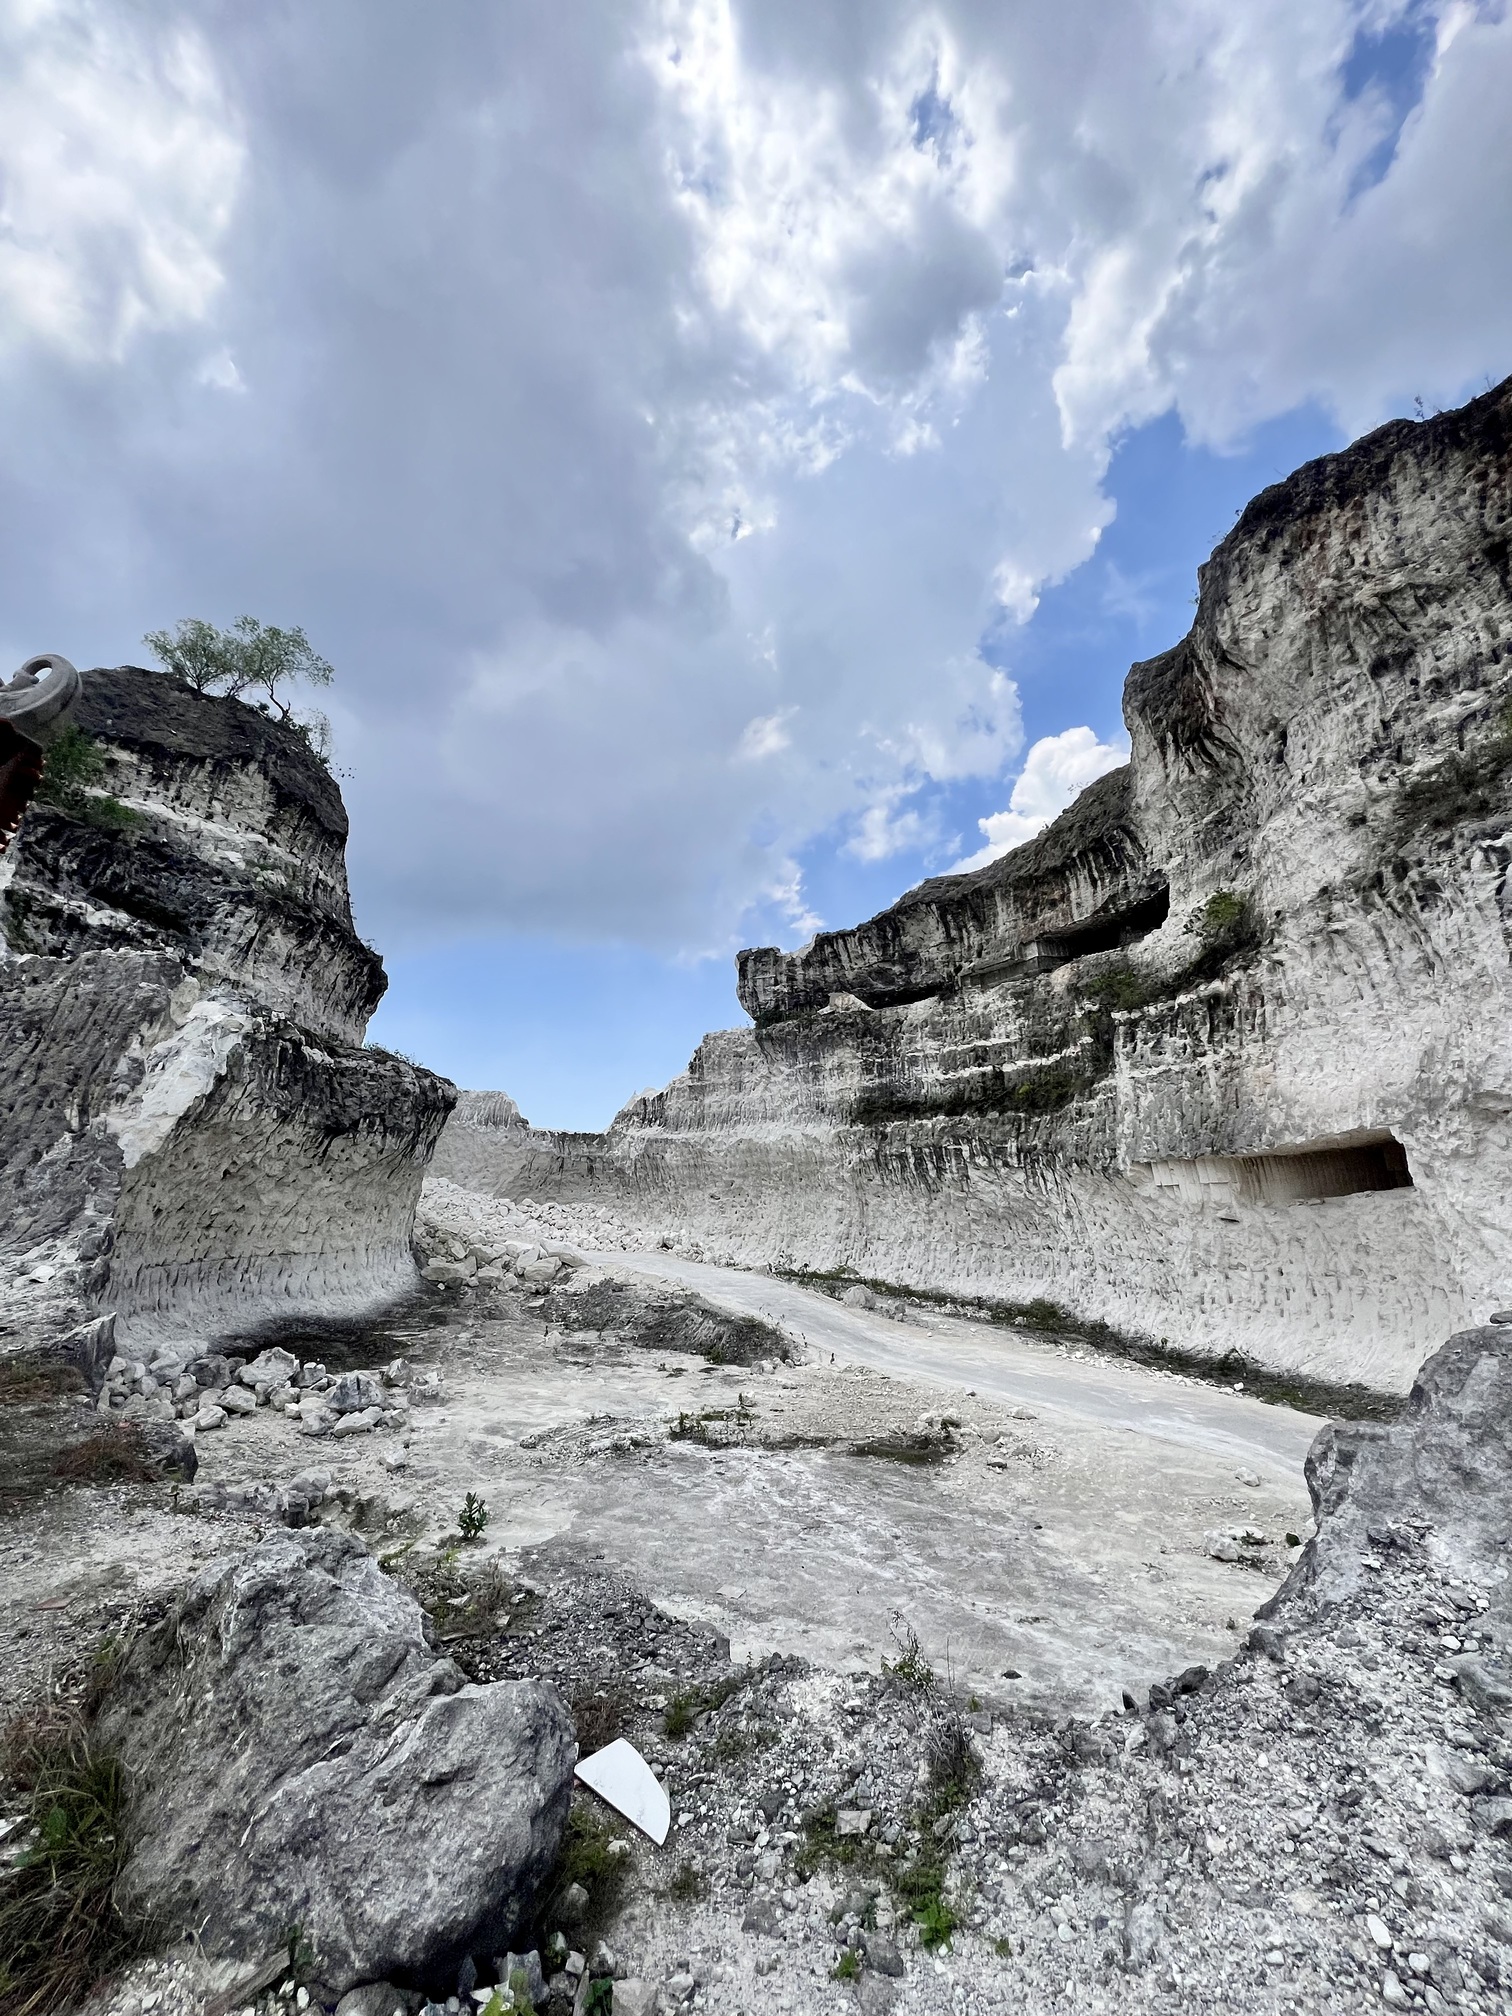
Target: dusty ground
[
  {"x": 1067, "y": 1548},
  {"x": 710, "y": 1544}
]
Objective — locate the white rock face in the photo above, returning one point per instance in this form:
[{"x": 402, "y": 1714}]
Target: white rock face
[
  {"x": 192, "y": 1137},
  {"x": 1224, "y": 1058}
]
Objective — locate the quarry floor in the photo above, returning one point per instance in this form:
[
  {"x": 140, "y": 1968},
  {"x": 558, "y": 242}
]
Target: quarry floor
[
  {"x": 1059, "y": 1531},
  {"x": 1061, "y": 1539}
]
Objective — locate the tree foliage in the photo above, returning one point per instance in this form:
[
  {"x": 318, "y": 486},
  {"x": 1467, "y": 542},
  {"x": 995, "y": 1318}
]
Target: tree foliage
[{"x": 250, "y": 659}]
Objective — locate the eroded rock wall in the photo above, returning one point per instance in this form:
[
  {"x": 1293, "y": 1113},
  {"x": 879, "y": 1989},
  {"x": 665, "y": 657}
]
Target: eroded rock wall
[
  {"x": 1225, "y": 1056},
  {"x": 193, "y": 1137}
]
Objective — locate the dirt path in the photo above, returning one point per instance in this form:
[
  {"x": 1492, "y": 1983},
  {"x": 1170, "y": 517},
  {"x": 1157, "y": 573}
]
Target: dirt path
[{"x": 951, "y": 1353}]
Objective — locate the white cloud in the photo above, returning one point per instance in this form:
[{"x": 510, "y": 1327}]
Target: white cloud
[
  {"x": 1057, "y": 768},
  {"x": 651, "y": 406},
  {"x": 119, "y": 166},
  {"x": 766, "y": 735},
  {"x": 884, "y": 829}
]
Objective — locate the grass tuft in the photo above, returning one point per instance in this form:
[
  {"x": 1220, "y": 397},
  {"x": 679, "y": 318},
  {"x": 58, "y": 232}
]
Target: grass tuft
[
  {"x": 585, "y": 1858},
  {"x": 910, "y": 1666},
  {"x": 598, "y": 1717},
  {"x": 60, "y": 1925},
  {"x": 115, "y": 1455},
  {"x": 684, "y": 1709},
  {"x": 33, "y": 1377}
]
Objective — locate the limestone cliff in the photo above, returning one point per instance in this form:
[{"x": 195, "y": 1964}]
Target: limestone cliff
[
  {"x": 193, "y": 1138},
  {"x": 1224, "y": 1057}
]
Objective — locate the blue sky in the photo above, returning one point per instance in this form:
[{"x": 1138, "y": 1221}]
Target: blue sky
[{"x": 730, "y": 450}]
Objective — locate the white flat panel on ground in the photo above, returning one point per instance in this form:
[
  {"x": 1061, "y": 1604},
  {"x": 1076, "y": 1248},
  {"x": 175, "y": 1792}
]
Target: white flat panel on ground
[{"x": 621, "y": 1775}]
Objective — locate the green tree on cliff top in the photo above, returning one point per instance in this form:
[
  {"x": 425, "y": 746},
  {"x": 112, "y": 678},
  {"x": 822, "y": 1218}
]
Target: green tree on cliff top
[{"x": 250, "y": 658}]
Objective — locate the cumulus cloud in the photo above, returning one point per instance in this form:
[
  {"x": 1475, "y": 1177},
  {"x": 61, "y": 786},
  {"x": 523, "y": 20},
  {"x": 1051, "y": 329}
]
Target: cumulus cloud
[
  {"x": 667, "y": 415},
  {"x": 120, "y": 167},
  {"x": 1057, "y": 768},
  {"x": 767, "y": 735}
]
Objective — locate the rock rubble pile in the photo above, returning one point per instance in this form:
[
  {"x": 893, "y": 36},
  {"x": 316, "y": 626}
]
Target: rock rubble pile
[{"x": 204, "y": 1390}]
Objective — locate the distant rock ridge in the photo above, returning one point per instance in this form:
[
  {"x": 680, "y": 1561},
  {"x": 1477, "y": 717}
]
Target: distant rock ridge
[
  {"x": 1083, "y": 885},
  {"x": 195, "y": 1138},
  {"x": 1224, "y": 1056}
]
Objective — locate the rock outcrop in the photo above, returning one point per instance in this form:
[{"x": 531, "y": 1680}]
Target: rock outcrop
[
  {"x": 300, "y": 1757},
  {"x": 195, "y": 1138},
  {"x": 1224, "y": 1057}
]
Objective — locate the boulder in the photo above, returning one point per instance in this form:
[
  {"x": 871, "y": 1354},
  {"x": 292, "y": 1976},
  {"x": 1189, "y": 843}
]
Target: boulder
[
  {"x": 373, "y": 1998},
  {"x": 169, "y": 1449},
  {"x": 300, "y": 1755},
  {"x": 274, "y": 1367},
  {"x": 449, "y": 1273},
  {"x": 355, "y": 1392},
  {"x": 539, "y": 1272},
  {"x": 358, "y": 1424}
]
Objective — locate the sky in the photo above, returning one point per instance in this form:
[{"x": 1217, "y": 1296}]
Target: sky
[{"x": 731, "y": 453}]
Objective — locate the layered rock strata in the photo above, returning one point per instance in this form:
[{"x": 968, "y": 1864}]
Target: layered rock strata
[
  {"x": 193, "y": 1136},
  {"x": 1222, "y": 1058}
]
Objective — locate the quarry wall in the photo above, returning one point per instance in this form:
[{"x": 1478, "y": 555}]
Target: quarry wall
[
  {"x": 194, "y": 1138},
  {"x": 1224, "y": 1056}
]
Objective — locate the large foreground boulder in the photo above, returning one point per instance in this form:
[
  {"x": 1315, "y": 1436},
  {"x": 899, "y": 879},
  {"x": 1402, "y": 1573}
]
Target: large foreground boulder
[
  {"x": 1443, "y": 1474},
  {"x": 299, "y": 1756}
]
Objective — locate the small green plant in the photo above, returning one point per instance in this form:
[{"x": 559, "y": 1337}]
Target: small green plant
[
  {"x": 847, "y": 1967},
  {"x": 1118, "y": 987},
  {"x": 1220, "y": 917},
  {"x": 910, "y": 1666},
  {"x": 60, "y": 1927},
  {"x": 590, "y": 1855},
  {"x": 687, "y": 1885},
  {"x": 104, "y": 1669},
  {"x": 682, "y": 1712},
  {"x": 921, "y": 1891},
  {"x": 301, "y": 1954},
  {"x": 74, "y": 762},
  {"x": 71, "y": 773},
  {"x": 1003, "y": 1948},
  {"x": 473, "y": 1518}
]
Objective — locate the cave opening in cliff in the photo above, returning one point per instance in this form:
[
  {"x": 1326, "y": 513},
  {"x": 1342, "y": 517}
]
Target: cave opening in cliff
[
  {"x": 1103, "y": 934},
  {"x": 1344, "y": 1169}
]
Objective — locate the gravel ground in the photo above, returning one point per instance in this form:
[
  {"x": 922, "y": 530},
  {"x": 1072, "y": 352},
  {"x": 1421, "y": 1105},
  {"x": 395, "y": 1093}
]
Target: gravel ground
[{"x": 1315, "y": 1818}]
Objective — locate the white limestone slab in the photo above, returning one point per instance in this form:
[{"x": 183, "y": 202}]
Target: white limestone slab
[{"x": 619, "y": 1774}]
